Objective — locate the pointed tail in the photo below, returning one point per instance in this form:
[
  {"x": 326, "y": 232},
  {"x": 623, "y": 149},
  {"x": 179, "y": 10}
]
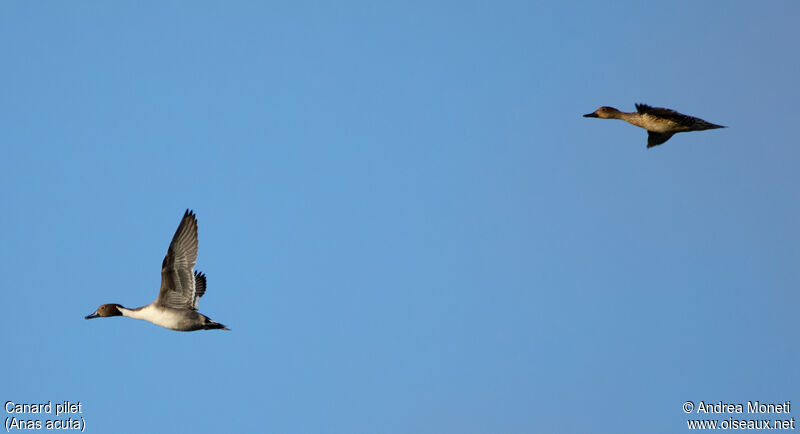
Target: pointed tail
[
  {"x": 212, "y": 325},
  {"x": 705, "y": 125}
]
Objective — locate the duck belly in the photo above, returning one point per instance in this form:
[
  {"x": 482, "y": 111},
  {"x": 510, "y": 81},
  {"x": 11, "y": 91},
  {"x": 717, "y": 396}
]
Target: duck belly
[{"x": 173, "y": 319}]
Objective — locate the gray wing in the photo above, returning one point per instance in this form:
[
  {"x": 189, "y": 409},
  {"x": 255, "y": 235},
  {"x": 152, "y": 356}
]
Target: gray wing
[{"x": 178, "y": 280}]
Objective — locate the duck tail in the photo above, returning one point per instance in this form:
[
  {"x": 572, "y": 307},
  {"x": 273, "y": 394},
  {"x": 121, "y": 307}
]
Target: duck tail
[
  {"x": 705, "y": 125},
  {"x": 213, "y": 325}
]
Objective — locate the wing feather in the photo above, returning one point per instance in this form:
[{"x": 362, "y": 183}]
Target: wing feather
[
  {"x": 685, "y": 122},
  {"x": 655, "y": 139},
  {"x": 178, "y": 280}
]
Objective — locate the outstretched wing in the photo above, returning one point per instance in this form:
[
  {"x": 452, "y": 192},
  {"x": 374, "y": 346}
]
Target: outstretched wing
[
  {"x": 663, "y": 113},
  {"x": 655, "y": 139},
  {"x": 178, "y": 281},
  {"x": 199, "y": 287},
  {"x": 684, "y": 122}
]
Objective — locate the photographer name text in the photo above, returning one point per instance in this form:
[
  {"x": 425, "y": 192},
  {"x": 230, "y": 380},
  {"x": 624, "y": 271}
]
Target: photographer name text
[{"x": 742, "y": 407}]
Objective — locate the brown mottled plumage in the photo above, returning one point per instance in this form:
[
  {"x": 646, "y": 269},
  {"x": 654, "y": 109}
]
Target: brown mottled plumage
[{"x": 660, "y": 123}]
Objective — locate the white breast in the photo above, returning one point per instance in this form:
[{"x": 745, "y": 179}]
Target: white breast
[{"x": 157, "y": 315}]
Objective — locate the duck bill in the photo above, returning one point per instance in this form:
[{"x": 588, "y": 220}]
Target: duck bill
[
  {"x": 590, "y": 115},
  {"x": 92, "y": 315}
]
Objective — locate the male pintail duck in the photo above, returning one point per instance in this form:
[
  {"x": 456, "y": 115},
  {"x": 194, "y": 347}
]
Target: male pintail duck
[
  {"x": 660, "y": 123},
  {"x": 181, "y": 287}
]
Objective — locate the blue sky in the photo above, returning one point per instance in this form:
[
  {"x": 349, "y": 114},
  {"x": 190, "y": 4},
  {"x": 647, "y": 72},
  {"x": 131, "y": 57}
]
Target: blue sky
[{"x": 404, "y": 219}]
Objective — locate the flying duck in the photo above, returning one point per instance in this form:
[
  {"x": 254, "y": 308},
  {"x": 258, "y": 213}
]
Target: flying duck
[
  {"x": 181, "y": 287},
  {"x": 660, "y": 123}
]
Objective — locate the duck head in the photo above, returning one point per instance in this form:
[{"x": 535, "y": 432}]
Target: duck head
[
  {"x": 604, "y": 112},
  {"x": 106, "y": 310}
]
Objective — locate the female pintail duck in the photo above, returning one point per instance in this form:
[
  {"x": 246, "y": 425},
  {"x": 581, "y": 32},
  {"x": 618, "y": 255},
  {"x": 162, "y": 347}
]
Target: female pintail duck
[
  {"x": 660, "y": 123},
  {"x": 181, "y": 287}
]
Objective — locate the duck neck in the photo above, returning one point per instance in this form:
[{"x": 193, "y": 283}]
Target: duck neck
[
  {"x": 632, "y": 118},
  {"x": 132, "y": 313}
]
